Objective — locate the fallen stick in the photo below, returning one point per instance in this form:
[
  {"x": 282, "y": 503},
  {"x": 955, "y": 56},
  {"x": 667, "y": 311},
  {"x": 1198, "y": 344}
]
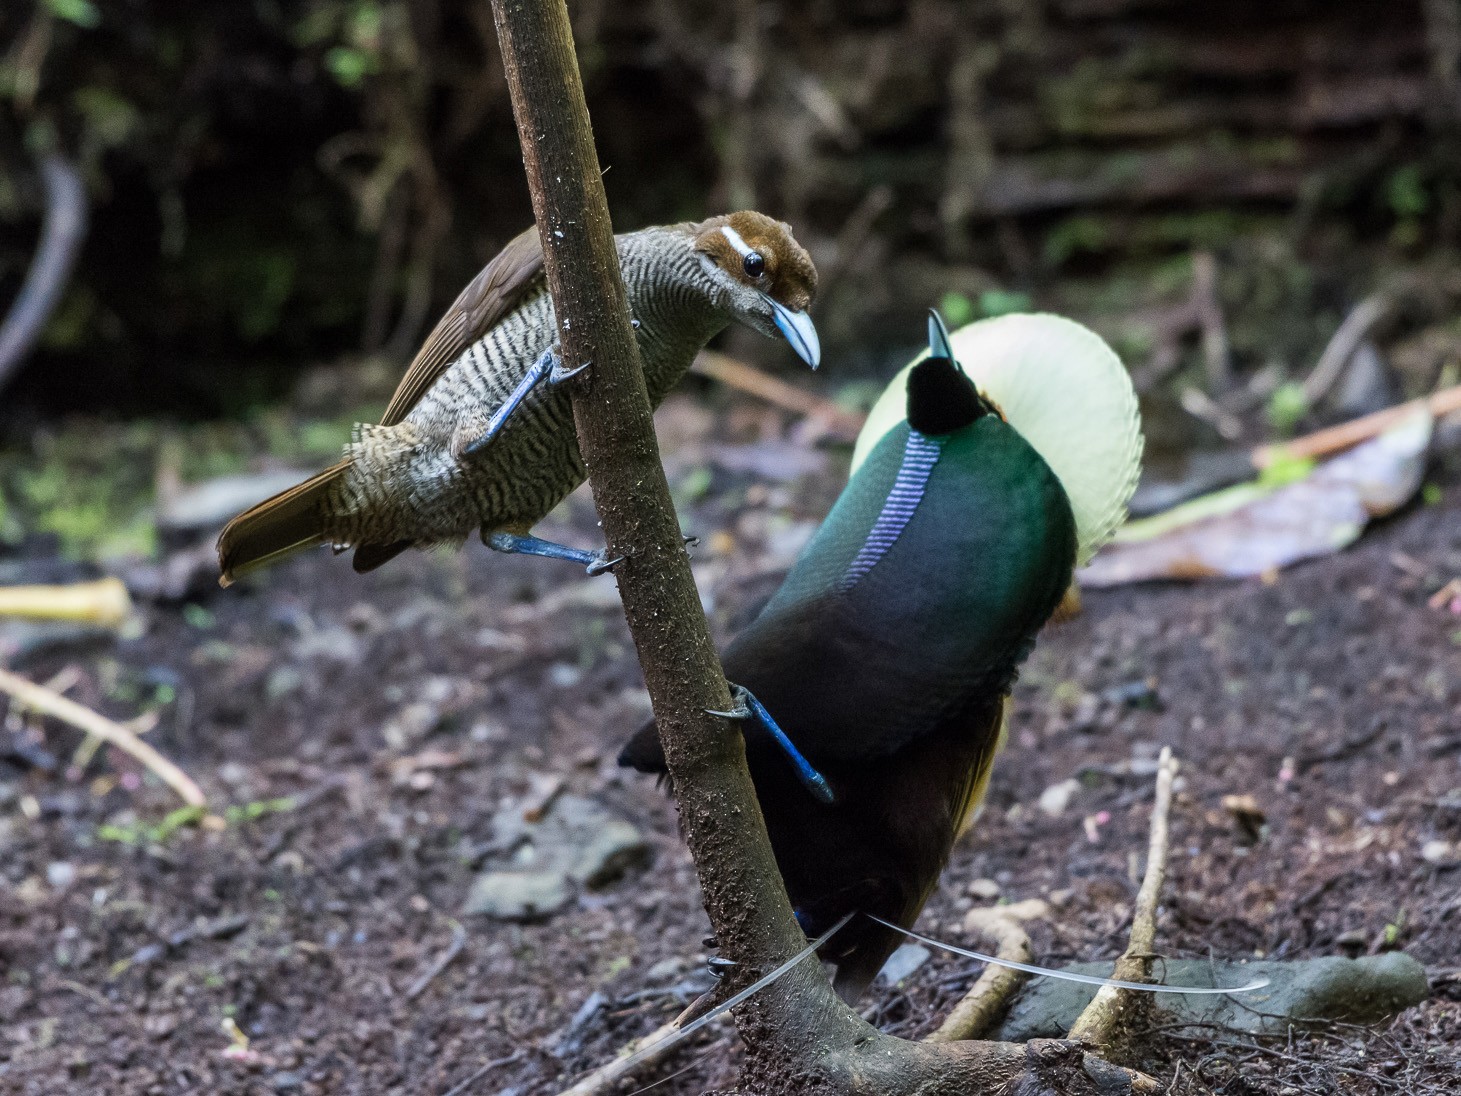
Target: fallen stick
[
  {"x": 634, "y": 1054},
  {"x": 1342, "y": 346},
  {"x": 458, "y": 942},
  {"x": 1346, "y": 435},
  {"x": 980, "y": 1007},
  {"x": 103, "y": 602},
  {"x": 54, "y": 704},
  {"x": 1101, "y": 1021},
  {"x": 845, "y": 425}
]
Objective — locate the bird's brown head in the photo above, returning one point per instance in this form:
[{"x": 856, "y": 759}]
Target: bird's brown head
[{"x": 766, "y": 278}]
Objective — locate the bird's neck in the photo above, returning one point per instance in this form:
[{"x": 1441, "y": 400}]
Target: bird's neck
[{"x": 673, "y": 298}]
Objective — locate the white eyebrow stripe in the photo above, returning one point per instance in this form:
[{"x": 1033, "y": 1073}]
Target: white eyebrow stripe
[{"x": 736, "y": 242}]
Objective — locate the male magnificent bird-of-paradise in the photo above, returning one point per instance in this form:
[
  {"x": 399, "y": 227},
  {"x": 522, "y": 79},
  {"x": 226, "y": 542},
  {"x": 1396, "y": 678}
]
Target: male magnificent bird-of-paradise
[
  {"x": 875, "y": 681},
  {"x": 480, "y": 435}
]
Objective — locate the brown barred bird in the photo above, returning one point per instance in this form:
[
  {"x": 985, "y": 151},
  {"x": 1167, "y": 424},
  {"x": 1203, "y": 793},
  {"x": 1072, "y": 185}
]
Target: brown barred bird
[{"x": 480, "y": 433}]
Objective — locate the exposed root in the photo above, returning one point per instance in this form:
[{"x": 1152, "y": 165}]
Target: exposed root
[{"x": 973, "y": 1016}]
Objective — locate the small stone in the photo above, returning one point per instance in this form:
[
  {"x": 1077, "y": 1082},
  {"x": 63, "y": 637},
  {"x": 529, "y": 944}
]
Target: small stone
[
  {"x": 564, "y": 675},
  {"x": 60, "y": 874},
  {"x": 902, "y": 963},
  {"x": 986, "y": 890},
  {"x": 1056, "y": 798},
  {"x": 666, "y": 969},
  {"x": 1439, "y": 852},
  {"x": 610, "y": 851},
  {"x": 518, "y": 895}
]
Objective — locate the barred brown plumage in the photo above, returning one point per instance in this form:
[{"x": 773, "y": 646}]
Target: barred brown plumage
[{"x": 412, "y": 481}]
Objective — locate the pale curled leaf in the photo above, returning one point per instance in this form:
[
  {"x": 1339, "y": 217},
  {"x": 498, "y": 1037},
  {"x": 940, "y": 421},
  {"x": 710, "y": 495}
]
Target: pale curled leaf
[{"x": 1257, "y": 528}]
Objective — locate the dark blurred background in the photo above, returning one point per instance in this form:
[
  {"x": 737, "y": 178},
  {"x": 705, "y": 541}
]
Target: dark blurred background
[{"x": 277, "y": 185}]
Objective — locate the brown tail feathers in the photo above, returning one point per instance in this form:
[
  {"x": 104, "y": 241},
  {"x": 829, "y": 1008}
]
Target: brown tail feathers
[{"x": 289, "y": 522}]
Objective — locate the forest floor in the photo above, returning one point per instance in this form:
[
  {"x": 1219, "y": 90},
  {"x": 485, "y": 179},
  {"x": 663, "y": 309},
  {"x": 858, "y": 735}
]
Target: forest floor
[{"x": 366, "y": 731}]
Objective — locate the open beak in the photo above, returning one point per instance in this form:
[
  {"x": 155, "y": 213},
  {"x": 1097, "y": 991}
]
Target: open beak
[
  {"x": 938, "y": 337},
  {"x": 799, "y": 331}
]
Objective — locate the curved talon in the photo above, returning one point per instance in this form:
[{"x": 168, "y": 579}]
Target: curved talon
[
  {"x": 559, "y": 374},
  {"x": 602, "y": 564},
  {"x": 690, "y": 541},
  {"x": 742, "y": 710}
]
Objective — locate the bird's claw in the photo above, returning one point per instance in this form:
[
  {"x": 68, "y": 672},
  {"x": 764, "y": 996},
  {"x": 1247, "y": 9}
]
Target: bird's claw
[
  {"x": 602, "y": 563},
  {"x": 742, "y": 710},
  {"x": 559, "y": 374},
  {"x": 718, "y": 965}
]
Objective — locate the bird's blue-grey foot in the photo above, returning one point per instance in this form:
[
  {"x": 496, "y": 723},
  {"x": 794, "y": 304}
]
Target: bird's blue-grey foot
[{"x": 596, "y": 563}]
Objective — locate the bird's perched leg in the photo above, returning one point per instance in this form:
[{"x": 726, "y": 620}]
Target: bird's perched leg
[
  {"x": 549, "y": 367},
  {"x": 747, "y": 707},
  {"x": 595, "y": 562}
]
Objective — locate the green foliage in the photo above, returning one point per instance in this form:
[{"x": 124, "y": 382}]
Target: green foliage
[
  {"x": 110, "y": 120},
  {"x": 1001, "y": 302},
  {"x": 1406, "y": 193},
  {"x": 956, "y": 309},
  {"x": 1286, "y": 407},
  {"x": 350, "y": 66},
  {"x": 142, "y": 833},
  {"x": 81, "y": 12},
  {"x": 259, "y": 808}
]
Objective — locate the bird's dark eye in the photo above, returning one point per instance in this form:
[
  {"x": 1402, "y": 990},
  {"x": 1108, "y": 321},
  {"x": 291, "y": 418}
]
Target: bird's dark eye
[{"x": 755, "y": 265}]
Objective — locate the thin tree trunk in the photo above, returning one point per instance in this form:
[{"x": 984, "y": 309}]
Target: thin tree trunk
[{"x": 800, "y": 1037}]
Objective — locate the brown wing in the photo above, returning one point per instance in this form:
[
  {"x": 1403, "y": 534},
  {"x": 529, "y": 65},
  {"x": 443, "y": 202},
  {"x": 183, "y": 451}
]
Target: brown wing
[{"x": 491, "y": 295}]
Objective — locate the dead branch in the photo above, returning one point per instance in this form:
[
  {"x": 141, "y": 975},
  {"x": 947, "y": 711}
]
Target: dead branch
[
  {"x": 1110, "y": 1011},
  {"x": 62, "y": 234},
  {"x": 442, "y": 961},
  {"x": 1209, "y": 309},
  {"x": 68, "y": 711},
  {"x": 1342, "y": 346},
  {"x": 987, "y": 997},
  {"x": 1346, "y": 435},
  {"x": 841, "y": 424},
  {"x": 633, "y": 1056},
  {"x": 103, "y": 602}
]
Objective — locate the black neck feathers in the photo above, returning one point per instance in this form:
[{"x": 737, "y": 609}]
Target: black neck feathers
[{"x": 941, "y": 398}]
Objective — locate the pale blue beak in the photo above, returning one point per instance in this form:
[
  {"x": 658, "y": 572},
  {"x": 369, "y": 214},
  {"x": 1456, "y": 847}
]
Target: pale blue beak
[
  {"x": 799, "y": 331},
  {"x": 938, "y": 337}
]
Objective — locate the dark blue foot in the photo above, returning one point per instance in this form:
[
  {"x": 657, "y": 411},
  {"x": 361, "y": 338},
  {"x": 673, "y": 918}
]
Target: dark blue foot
[
  {"x": 748, "y": 706},
  {"x": 547, "y": 364},
  {"x": 595, "y": 562}
]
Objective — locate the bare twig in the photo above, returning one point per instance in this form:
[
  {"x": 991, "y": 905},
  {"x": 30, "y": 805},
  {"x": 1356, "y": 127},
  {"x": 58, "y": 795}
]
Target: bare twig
[
  {"x": 103, "y": 602},
  {"x": 1346, "y": 435},
  {"x": 61, "y": 236},
  {"x": 83, "y": 718},
  {"x": 1102, "y": 1021},
  {"x": 634, "y": 1056},
  {"x": 736, "y": 374},
  {"x": 1342, "y": 345},
  {"x": 485, "y": 1068},
  {"x": 1209, "y": 309},
  {"x": 458, "y": 942},
  {"x": 987, "y": 997}
]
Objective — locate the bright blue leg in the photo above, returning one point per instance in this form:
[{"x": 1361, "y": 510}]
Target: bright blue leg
[
  {"x": 747, "y": 706},
  {"x": 546, "y": 364},
  {"x": 596, "y": 562}
]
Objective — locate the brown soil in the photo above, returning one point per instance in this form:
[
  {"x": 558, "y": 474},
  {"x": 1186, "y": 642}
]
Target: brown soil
[{"x": 307, "y": 926}]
